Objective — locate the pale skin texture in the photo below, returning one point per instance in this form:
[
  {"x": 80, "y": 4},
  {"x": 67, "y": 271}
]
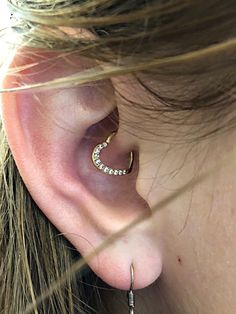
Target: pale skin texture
[{"x": 190, "y": 243}]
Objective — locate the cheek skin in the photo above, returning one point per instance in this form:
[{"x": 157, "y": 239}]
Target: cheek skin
[{"x": 197, "y": 230}]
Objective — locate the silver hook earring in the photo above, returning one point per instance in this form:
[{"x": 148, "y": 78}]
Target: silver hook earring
[
  {"x": 105, "y": 169},
  {"x": 130, "y": 294}
]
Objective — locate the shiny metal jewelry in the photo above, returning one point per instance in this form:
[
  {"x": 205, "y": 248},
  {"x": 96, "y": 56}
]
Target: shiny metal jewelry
[
  {"x": 106, "y": 169},
  {"x": 130, "y": 294}
]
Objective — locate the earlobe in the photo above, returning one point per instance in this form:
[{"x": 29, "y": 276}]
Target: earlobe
[{"x": 52, "y": 135}]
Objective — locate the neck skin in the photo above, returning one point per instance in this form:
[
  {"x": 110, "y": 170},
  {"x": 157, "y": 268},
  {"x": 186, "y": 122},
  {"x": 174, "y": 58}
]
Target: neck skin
[{"x": 196, "y": 231}]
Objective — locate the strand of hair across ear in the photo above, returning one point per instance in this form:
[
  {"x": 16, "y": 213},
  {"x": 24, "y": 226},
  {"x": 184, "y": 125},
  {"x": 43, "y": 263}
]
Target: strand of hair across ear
[{"x": 96, "y": 74}]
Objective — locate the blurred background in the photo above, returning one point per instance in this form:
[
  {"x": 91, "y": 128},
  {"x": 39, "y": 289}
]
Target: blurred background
[{"x": 4, "y": 13}]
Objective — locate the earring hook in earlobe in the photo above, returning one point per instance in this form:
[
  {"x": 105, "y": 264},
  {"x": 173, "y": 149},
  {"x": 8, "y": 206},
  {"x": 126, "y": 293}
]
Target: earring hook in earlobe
[{"x": 130, "y": 294}]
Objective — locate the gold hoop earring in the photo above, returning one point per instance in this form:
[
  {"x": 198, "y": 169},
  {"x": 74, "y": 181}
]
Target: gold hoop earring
[{"x": 106, "y": 169}]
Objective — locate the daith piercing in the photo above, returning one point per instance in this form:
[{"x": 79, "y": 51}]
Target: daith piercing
[{"x": 104, "y": 168}]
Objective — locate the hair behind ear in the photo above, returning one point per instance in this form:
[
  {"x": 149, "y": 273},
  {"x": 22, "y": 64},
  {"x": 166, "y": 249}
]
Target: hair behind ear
[{"x": 32, "y": 252}]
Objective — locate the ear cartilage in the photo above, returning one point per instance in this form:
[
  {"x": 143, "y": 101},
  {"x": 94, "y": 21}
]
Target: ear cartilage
[{"x": 106, "y": 169}]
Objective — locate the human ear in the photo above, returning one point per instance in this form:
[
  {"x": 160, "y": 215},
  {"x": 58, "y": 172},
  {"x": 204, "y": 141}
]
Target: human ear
[{"x": 51, "y": 134}]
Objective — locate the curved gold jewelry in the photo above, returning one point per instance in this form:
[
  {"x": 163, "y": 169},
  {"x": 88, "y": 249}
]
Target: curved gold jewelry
[{"x": 106, "y": 169}]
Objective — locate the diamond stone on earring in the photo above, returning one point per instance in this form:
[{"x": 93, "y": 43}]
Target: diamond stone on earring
[
  {"x": 106, "y": 169},
  {"x": 98, "y": 161}
]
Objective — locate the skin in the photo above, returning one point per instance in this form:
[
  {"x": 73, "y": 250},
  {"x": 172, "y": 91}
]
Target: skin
[{"x": 184, "y": 255}]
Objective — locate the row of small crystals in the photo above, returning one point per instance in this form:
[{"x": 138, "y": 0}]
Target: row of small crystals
[{"x": 100, "y": 165}]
